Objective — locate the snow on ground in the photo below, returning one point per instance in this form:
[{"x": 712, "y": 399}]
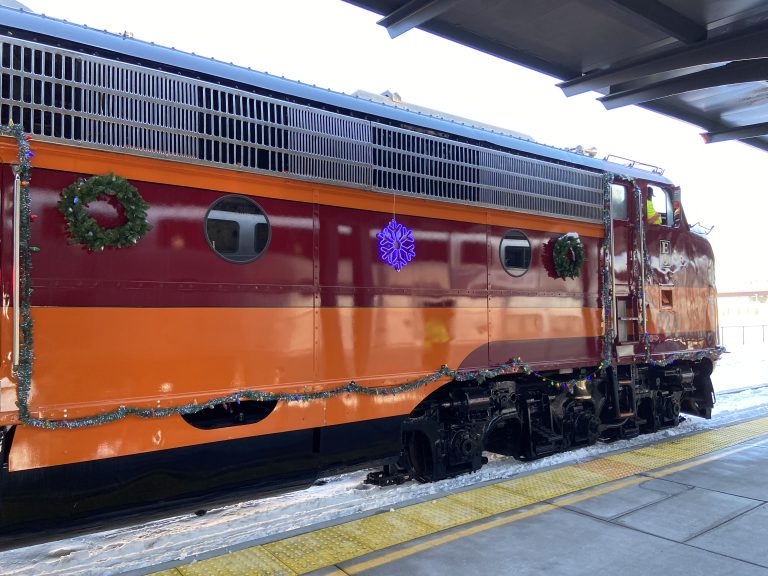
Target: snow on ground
[{"x": 741, "y": 382}]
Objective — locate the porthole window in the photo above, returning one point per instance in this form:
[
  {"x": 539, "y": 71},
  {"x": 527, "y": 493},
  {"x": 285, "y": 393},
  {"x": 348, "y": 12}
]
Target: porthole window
[
  {"x": 237, "y": 229},
  {"x": 515, "y": 253}
]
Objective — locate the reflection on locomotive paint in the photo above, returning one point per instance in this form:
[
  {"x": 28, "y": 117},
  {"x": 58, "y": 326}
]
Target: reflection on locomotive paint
[{"x": 237, "y": 229}]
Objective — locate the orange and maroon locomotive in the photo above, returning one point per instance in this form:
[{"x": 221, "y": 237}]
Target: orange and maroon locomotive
[{"x": 219, "y": 284}]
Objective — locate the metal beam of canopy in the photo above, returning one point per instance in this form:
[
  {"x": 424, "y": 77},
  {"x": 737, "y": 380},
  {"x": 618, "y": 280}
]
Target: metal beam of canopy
[
  {"x": 413, "y": 14},
  {"x": 733, "y": 47},
  {"x": 740, "y": 133},
  {"x": 728, "y": 74}
]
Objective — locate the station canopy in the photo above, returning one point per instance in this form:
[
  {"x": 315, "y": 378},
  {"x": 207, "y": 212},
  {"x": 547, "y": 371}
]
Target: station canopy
[{"x": 701, "y": 61}]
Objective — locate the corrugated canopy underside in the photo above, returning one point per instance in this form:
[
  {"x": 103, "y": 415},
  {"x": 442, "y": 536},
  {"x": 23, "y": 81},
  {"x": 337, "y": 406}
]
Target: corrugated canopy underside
[{"x": 701, "y": 61}]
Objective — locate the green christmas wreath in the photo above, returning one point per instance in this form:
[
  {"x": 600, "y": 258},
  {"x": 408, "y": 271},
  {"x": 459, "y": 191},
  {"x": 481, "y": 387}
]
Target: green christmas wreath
[
  {"x": 82, "y": 228},
  {"x": 568, "y": 256}
]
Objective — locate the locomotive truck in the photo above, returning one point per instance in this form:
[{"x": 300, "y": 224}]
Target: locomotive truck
[{"x": 219, "y": 284}]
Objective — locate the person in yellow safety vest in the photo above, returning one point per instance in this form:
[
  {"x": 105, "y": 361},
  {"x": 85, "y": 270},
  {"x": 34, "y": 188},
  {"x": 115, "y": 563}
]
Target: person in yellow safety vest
[{"x": 653, "y": 216}]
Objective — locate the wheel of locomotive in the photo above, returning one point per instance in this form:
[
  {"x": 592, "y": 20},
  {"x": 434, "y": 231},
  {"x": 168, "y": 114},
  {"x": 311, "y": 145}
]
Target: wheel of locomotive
[
  {"x": 592, "y": 431},
  {"x": 672, "y": 410},
  {"x": 463, "y": 444},
  {"x": 420, "y": 457},
  {"x": 648, "y": 414}
]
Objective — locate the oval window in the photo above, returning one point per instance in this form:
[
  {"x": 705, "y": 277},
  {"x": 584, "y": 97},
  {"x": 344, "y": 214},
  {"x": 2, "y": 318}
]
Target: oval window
[
  {"x": 237, "y": 229},
  {"x": 515, "y": 253}
]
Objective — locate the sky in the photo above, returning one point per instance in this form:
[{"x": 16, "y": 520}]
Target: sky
[{"x": 335, "y": 45}]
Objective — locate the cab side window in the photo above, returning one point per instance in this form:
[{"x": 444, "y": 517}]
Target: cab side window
[
  {"x": 619, "y": 202},
  {"x": 659, "y": 206}
]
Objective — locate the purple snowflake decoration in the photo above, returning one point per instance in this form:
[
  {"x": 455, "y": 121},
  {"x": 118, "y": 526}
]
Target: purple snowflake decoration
[{"x": 396, "y": 245}]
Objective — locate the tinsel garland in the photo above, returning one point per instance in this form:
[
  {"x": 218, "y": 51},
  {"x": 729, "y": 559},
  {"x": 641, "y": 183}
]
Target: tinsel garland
[
  {"x": 23, "y": 371},
  {"x": 515, "y": 366},
  {"x": 83, "y": 228},
  {"x": 689, "y": 356},
  {"x": 606, "y": 295},
  {"x": 646, "y": 259},
  {"x": 641, "y": 266},
  {"x": 663, "y": 360}
]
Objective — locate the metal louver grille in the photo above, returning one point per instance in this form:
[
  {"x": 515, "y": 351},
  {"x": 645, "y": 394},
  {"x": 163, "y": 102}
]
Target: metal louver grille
[
  {"x": 408, "y": 161},
  {"x": 61, "y": 95}
]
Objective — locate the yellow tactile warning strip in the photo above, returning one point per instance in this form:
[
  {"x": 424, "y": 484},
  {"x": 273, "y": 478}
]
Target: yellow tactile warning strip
[
  {"x": 249, "y": 561},
  {"x": 317, "y": 549},
  {"x": 328, "y": 546}
]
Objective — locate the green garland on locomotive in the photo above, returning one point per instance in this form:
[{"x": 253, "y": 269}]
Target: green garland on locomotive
[{"x": 23, "y": 174}]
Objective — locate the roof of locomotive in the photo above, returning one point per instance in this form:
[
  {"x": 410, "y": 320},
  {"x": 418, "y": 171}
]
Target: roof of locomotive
[{"x": 51, "y": 31}]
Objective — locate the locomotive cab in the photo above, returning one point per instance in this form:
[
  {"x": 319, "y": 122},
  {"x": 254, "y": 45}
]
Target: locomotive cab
[
  {"x": 681, "y": 293},
  {"x": 663, "y": 282}
]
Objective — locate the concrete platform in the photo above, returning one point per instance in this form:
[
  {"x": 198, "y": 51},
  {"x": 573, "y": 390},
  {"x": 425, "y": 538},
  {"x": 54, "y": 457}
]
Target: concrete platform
[{"x": 693, "y": 505}]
